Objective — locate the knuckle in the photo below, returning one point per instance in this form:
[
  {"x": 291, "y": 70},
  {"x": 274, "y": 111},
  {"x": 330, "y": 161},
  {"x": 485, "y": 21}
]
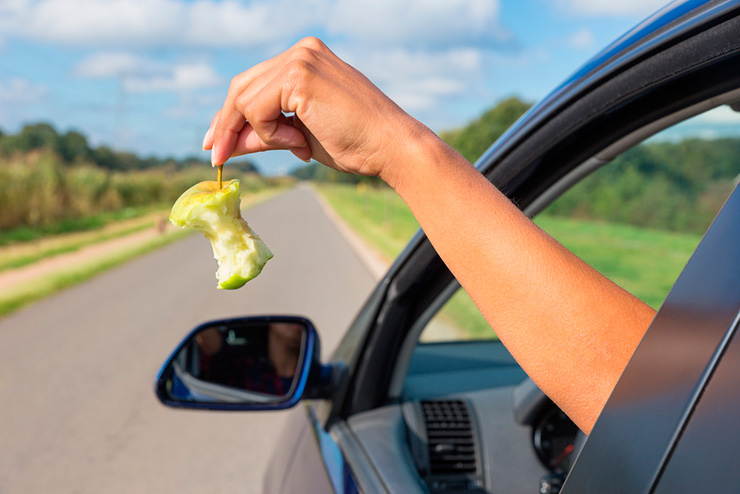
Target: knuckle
[
  {"x": 242, "y": 103},
  {"x": 306, "y": 54},
  {"x": 300, "y": 73},
  {"x": 312, "y": 43},
  {"x": 300, "y": 69},
  {"x": 236, "y": 82}
]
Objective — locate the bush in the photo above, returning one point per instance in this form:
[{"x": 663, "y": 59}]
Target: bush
[{"x": 39, "y": 189}]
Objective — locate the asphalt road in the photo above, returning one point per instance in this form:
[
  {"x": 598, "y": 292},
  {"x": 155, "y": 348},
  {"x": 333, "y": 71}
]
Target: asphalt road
[{"x": 77, "y": 410}]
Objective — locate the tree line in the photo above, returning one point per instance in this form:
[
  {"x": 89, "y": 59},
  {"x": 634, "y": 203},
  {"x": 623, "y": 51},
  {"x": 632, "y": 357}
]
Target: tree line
[{"x": 73, "y": 148}]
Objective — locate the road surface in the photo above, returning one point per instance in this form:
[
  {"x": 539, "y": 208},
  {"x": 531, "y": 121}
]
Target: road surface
[{"x": 77, "y": 411}]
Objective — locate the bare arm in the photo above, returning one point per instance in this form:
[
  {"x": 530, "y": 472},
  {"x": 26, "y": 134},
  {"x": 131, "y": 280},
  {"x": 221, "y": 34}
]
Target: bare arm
[{"x": 571, "y": 329}]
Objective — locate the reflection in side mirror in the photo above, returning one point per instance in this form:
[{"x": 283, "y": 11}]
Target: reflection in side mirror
[{"x": 240, "y": 364}]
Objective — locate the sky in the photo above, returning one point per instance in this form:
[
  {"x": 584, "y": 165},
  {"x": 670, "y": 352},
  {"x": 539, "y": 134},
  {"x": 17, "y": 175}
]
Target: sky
[{"x": 148, "y": 75}]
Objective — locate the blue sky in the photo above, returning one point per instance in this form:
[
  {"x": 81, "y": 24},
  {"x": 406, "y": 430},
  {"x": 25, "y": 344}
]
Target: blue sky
[{"x": 148, "y": 75}]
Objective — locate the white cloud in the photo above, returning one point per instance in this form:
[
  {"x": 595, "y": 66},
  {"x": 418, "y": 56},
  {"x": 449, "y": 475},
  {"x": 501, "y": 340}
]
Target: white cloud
[
  {"x": 126, "y": 23},
  {"x": 118, "y": 64},
  {"x": 722, "y": 115},
  {"x": 191, "y": 104},
  {"x": 182, "y": 77},
  {"x": 20, "y": 92},
  {"x": 417, "y": 80},
  {"x": 639, "y": 8},
  {"x": 142, "y": 75},
  {"x": 419, "y": 22},
  {"x": 244, "y": 24},
  {"x": 581, "y": 40}
]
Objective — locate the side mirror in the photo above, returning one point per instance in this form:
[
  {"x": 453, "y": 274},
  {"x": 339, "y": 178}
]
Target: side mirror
[{"x": 251, "y": 363}]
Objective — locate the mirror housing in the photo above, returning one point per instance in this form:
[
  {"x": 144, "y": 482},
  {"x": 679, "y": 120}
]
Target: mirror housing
[{"x": 249, "y": 363}]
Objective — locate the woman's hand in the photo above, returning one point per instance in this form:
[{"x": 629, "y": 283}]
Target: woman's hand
[{"x": 339, "y": 117}]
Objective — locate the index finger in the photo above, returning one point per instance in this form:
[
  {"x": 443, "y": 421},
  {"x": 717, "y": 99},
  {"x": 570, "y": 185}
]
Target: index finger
[{"x": 229, "y": 121}]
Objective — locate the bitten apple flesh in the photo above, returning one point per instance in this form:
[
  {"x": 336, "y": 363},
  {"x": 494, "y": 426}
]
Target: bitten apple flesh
[{"x": 240, "y": 252}]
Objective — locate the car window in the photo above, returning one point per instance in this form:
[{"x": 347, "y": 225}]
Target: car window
[
  {"x": 637, "y": 219},
  {"x": 458, "y": 320}
]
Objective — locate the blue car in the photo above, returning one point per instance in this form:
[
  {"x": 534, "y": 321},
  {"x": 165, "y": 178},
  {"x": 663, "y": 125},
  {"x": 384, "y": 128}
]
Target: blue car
[{"x": 413, "y": 400}]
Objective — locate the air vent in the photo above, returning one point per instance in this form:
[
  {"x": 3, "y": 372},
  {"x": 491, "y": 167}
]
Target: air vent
[{"x": 450, "y": 437}]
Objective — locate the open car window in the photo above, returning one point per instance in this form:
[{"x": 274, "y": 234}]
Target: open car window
[
  {"x": 458, "y": 320},
  {"x": 637, "y": 219}
]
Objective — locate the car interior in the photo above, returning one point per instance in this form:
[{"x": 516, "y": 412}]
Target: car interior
[{"x": 459, "y": 413}]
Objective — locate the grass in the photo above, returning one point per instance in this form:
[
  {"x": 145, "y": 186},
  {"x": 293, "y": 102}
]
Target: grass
[
  {"x": 381, "y": 218},
  {"x": 25, "y": 253},
  {"x": 114, "y": 225},
  {"x": 92, "y": 222},
  {"x": 643, "y": 261},
  {"x": 37, "y": 289},
  {"x": 378, "y": 216},
  {"x": 34, "y": 290}
]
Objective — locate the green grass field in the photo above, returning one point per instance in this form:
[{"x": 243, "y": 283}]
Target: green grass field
[{"x": 644, "y": 262}]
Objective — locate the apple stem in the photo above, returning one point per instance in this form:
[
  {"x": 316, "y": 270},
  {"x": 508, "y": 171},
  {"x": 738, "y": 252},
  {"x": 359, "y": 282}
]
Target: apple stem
[{"x": 219, "y": 175}]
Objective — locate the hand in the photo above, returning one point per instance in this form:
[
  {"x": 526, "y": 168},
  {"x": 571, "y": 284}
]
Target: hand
[{"x": 339, "y": 117}]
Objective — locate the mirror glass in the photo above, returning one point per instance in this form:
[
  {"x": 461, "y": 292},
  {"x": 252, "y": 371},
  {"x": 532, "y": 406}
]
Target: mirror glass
[{"x": 237, "y": 361}]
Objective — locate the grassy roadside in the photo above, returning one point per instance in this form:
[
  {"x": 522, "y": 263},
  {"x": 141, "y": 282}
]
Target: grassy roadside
[
  {"x": 382, "y": 219},
  {"x": 26, "y": 293},
  {"x": 92, "y": 222},
  {"x": 378, "y": 216},
  {"x": 643, "y": 261},
  {"x": 31, "y": 291},
  {"x": 22, "y": 254}
]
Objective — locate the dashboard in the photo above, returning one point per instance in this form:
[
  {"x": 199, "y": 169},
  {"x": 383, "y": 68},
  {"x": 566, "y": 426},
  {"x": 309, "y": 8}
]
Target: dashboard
[{"x": 469, "y": 420}]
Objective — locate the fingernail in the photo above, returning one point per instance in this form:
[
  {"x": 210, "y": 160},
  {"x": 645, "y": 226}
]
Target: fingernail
[
  {"x": 205, "y": 138},
  {"x": 213, "y": 155}
]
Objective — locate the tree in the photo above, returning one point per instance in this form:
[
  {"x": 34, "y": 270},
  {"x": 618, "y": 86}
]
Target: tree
[
  {"x": 73, "y": 147},
  {"x": 472, "y": 140},
  {"x": 105, "y": 157},
  {"x": 37, "y": 136}
]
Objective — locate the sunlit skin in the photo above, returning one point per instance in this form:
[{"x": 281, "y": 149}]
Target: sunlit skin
[{"x": 571, "y": 329}]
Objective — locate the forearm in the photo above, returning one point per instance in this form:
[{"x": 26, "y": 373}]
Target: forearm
[{"x": 569, "y": 327}]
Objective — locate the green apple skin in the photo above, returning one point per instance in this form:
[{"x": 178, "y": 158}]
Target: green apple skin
[{"x": 240, "y": 252}]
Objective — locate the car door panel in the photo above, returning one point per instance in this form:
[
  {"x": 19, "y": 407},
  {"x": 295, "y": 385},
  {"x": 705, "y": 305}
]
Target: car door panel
[
  {"x": 297, "y": 462},
  {"x": 667, "y": 374}
]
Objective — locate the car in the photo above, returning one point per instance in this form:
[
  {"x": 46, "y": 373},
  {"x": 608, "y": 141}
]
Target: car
[{"x": 391, "y": 412}]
